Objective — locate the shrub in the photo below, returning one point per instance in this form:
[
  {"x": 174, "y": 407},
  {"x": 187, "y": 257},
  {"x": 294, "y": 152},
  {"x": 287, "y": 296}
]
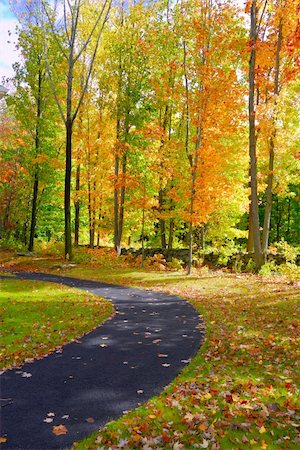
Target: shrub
[
  {"x": 175, "y": 264},
  {"x": 81, "y": 256},
  {"x": 290, "y": 271},
  {"x": 268, "y": 269},
  {"x": 50, "y": 248},
  {"x": 10, "y": 243},
  {"x": 286, "y": 250}
]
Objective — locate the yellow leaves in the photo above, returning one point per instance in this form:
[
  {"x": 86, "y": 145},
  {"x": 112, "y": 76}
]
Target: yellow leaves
[
  {"x": 206, "y": 396},
  {"x": 262, "y": 429},
  {"x": 42, "y": 158},
  {"x": 2, "y": 440}
]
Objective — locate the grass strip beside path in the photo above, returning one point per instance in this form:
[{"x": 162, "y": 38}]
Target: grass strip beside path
[{"x": 38, "y": 317}]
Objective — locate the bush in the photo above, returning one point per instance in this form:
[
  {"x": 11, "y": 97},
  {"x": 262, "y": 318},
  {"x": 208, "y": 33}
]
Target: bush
[
  {"x": 290, "y": 271},
  {"x": 268, "y": 269},
  {"x": 286, "y": 250},
  {"x": 81, "y": 256},
  {"x": 10, "y": 243},
  {"x": 50, "y": 248},
  {"x": 175, "y": 264}
]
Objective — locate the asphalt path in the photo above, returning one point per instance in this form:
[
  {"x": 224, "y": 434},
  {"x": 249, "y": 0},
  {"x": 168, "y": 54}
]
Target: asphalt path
[{"x": 113, "y": 369}]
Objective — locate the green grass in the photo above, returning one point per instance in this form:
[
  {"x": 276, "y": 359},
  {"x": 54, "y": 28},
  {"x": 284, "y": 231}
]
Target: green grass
[{"x": 37, "y": 317}]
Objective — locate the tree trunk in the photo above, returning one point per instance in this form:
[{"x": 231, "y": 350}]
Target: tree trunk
[
  {"x": 269, "y": 191},
  {"x": 258, "y": 255},
  {"x": 122, "y": 204},
  {"x": 116, "y": 188},
  {"x": 289, "y": 218},
  {"x": 36, "y": 175},
  {"x": 33, "y": 211},
  {"x": 77, "y": 207},
  {"x": 278, "y": 222},
  {"x": 162, "y": 223},
  {"x": 250, "y": 242},
  {"x": 171, "y": 234},
  {"x": 67, "y": 197}
]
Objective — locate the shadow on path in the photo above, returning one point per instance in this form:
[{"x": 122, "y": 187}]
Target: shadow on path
[{"x": 111, "y": 370}]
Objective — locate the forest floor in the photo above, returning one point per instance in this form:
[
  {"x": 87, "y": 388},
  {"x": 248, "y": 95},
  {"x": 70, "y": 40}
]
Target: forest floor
[{"x": 240, "y": 391}]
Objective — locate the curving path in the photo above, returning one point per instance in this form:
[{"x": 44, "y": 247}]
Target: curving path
[{"x": 128, "y": 359}]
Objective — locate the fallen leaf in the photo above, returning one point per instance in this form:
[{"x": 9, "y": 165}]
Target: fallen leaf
[
  {"x": 90, "y": 420},
  {"x": 48, "y": 420},
  {"x": 262, "y": 430},
  {"x": 2, "y": 440},
  {"x": 59, "y": 429},
  {"x": 26, "y": 375},
  {"x": 162, "y": 355}
]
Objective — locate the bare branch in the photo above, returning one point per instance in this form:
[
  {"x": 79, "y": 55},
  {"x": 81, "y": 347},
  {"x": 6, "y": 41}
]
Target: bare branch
[
  {"x": 92, "y": 63},
  {"x": 53, "y": 30},
  {"x": 260, "y": 20},
  {"x": 65, "y": 22}
]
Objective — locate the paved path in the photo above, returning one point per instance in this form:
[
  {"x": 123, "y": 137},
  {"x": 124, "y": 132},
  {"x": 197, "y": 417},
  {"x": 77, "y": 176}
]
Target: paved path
[{"x": 111, "y": 370}]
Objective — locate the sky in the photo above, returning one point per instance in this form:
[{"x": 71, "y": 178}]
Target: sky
[{"x": 8, "y": 54}]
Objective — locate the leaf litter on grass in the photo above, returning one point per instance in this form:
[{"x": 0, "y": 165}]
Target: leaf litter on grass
[{"x": 241, "y": 390}]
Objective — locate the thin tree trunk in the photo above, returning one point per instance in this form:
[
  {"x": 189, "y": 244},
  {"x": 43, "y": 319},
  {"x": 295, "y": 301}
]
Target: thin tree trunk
[
  {"x": 36, "y": 175},
  {"x": 67, "y": 197},
  {"x": 7, "y": 211},
  {"x": 77, "y": 206},
  {"x": 250, "y": 242},
  {"x": 171, "y": 234},
  {"x": 116, "y": 188},
  {"x": 33, "y": 211},
  {"x": 278, "y": 221},
  {"x": 258, "y": 255},
  {"x": 122, "y": 204},
  {"x": 99, "y": 221},
  {"x": 289, "y": 218},
  {"x": 162, "y": 223},
  {"x": 269, "y": 190},
  {"x": 143, "y": 227}
]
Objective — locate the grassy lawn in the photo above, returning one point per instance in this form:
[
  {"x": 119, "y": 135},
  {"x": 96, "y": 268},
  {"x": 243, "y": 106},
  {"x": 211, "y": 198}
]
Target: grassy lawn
[
  {"x": 241, "y": 390},
  {"x": 37, "y": 317}
]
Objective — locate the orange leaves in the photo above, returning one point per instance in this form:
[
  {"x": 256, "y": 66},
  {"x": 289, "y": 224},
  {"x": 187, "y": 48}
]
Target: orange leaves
[{"x": 59, "y": 430}]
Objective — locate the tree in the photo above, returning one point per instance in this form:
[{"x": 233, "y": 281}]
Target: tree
[{"x": 72, "y": 44}]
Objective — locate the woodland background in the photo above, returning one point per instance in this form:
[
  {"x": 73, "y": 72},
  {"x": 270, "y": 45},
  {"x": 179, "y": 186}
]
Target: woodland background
[{"x": 153, "y": 124}]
